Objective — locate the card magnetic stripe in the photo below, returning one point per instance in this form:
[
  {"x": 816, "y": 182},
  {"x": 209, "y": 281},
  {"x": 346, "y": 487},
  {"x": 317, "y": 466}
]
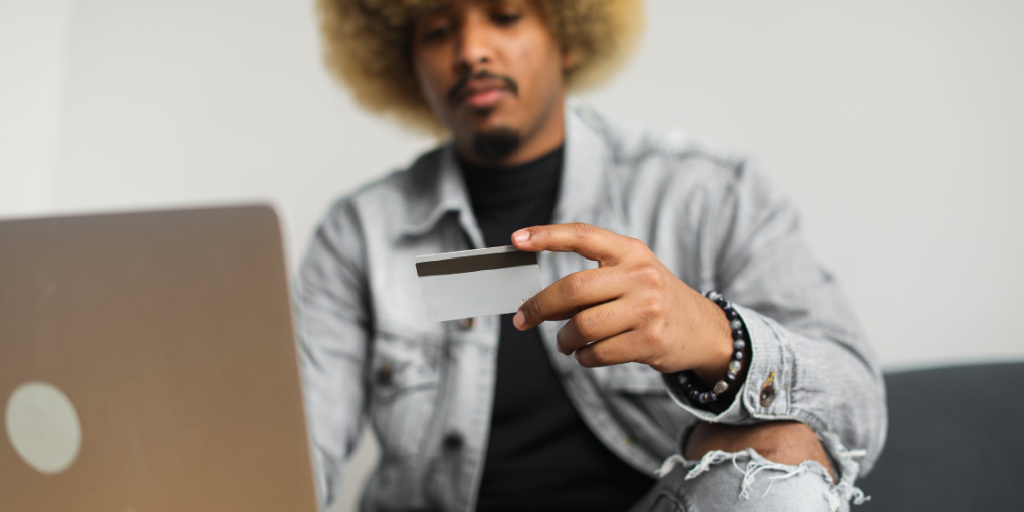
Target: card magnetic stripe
[{"x": 476, "y": 263}]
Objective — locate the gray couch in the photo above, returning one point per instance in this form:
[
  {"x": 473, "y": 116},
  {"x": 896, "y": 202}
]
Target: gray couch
[{"x": 956, "y": 441}]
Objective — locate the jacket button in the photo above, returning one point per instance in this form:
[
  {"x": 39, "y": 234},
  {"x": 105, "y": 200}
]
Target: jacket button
[
  {"x": 384, "y": 374},
  {"x": 467, "y": 323},
  {"x": 768, "y": 390},
  {"x": 453, "y": 441},
  {"x": 767, "y": 395}
]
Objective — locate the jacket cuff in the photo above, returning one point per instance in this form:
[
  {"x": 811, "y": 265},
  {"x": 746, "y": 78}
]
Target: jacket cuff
[{"x": 765, "y": 394}]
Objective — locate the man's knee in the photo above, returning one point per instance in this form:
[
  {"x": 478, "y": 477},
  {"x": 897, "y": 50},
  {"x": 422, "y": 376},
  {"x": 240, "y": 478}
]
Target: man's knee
[{"x": 784, "y": 442}]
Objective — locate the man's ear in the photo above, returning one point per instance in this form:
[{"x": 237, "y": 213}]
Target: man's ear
[{"x": 568, "y": 59}]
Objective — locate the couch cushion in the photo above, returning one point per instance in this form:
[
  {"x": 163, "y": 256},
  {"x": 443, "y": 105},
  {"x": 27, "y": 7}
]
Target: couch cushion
[{"x": 956, "y": 440}]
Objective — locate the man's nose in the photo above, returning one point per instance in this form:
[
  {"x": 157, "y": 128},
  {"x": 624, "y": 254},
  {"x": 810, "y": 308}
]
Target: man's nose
[{"x": 473, "y": 48}]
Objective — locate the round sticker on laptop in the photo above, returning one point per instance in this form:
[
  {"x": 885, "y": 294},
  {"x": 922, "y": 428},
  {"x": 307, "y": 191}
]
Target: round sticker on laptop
[{"x": 43, "y": 427}]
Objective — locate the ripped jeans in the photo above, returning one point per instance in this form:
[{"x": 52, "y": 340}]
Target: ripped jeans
[{"x": 746, "y": 481}]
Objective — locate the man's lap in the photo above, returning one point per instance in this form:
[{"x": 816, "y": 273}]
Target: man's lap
[{"x": 742, "y": 481}]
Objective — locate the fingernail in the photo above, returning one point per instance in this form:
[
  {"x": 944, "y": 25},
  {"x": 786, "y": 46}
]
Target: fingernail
[
  {"x": 521, "y": 236},
  {"x": 519, "y": 320}
]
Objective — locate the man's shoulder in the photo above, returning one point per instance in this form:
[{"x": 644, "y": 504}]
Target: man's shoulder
[
  {"x": 418, "y": 177},
  {"x": 635, "y": 143},
  {"x": 398, "y": 186},
  {"x": 389, "y": 202},
  {"x": 644, "y": 162},
  {"x": 672, "y": 161}
]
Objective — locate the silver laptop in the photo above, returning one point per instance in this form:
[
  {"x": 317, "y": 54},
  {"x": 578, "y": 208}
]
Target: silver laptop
[{"x": 147, "y": 363}]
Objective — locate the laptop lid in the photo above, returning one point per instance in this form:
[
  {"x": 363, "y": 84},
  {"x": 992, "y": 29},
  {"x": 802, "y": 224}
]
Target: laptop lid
[{"x": 147, "y": 363}]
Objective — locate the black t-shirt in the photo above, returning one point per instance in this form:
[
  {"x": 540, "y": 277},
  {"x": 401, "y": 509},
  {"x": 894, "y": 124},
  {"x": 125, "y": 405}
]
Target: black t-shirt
[{"x": 540, "y": 455}]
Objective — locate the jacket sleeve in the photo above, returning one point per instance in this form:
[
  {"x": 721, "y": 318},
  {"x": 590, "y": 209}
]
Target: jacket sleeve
[
  {"x": 810, "y": 359},
  {"x": 334, "y": 335}
]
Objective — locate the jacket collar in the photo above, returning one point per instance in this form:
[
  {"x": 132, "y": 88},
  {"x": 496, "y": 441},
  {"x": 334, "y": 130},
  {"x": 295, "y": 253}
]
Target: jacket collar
[
  {"x": 440, "y": 189},
  {"x": 436, "y": 188}
]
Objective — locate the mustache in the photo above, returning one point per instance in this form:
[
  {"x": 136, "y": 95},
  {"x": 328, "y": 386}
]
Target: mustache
[{"x": 483, "y": 74}]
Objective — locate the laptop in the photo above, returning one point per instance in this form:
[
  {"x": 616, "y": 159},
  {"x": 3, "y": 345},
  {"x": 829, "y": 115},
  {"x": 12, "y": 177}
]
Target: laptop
[{"x": 147, "y": 363}]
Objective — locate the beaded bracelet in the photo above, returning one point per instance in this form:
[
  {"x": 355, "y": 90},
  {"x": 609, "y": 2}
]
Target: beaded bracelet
[{"x": 739, "y": 344}]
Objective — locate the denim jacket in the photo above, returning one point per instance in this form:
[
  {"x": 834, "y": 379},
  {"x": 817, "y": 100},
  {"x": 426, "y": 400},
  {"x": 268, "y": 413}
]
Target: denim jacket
[{"x": 369, "y": 354}]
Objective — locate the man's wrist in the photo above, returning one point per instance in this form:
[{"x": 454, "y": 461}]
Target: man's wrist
[
  {"x": 709, "y": 385},
  {"x": 719, "y": 343}
]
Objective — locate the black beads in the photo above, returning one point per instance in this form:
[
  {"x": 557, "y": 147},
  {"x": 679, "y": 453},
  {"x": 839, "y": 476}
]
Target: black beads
[{"x": 739, "y": 336}]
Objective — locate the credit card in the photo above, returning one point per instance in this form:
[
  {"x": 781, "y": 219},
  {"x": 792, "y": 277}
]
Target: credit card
[{"x": 478, "y": 282}]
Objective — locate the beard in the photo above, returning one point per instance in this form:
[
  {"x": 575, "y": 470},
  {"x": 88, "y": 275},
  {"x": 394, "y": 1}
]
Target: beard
[{"x": 496, "y": 144}]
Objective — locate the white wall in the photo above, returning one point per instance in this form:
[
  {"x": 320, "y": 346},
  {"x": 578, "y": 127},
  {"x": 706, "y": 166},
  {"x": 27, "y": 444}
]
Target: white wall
[
  {"x": 32, "y": 41},
  {"x": 896, "y": 126},
  {"x": 197, "y": 102}
]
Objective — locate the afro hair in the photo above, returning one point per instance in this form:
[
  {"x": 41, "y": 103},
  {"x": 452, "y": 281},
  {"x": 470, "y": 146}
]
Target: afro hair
[{"x": 366, "y": 47}]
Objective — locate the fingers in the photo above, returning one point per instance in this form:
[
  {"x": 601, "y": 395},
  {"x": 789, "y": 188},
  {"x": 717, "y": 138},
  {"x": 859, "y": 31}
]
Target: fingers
[
  {"x": 591, "y": 242},
  {"x": 568, "y": 295},
  {"x": 617, "y": 312},
  {"x": 593, "y": 324},
  {"x": 619, "y": 349}
]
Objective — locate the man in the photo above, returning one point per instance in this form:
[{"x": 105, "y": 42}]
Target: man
[{"x": 770, "y": 402}]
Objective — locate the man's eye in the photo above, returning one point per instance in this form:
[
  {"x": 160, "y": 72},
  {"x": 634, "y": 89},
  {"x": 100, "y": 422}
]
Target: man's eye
[
  {"x": 437, "y": 33},
  {"x": 505, "y": 19}
]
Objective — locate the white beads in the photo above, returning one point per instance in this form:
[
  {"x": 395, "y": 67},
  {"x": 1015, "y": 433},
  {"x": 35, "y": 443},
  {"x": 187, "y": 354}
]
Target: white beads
[{"x": 735, "y": 367}]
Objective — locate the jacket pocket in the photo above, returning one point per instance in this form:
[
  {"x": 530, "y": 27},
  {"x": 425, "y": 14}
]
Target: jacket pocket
[
  {"x": 404, "y": 390},
  {"x": 638, "y": 395},
  {"x": 631, "y": 378}
]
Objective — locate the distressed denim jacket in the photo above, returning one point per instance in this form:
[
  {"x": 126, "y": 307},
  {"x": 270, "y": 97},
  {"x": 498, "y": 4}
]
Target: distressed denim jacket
[{"x": 369, "y": 354}]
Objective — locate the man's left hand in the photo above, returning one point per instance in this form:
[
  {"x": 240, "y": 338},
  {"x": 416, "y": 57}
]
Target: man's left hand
[{"x": 630, "y": 308}]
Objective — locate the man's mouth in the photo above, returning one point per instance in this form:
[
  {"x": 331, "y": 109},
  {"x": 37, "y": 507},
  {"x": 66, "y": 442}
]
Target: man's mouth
[
  {"x": 482, "y": 90},
  {"x": 484, "y": 97}
]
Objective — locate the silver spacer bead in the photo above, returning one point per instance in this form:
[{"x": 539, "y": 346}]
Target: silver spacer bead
[
  {"x": 720, "y": 387},
  {"x": 735, "y": 367}
]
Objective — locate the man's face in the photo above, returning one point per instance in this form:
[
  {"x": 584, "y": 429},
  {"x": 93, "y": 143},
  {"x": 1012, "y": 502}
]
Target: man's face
[{"x": 492, "y": 72}]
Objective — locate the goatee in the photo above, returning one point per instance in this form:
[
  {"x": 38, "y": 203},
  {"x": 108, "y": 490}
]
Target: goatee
[{"x": 496, "y": 145}]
